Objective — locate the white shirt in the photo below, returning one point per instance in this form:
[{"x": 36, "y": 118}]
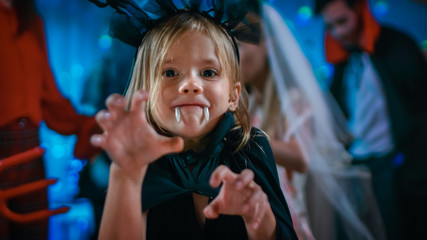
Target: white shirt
[{"x": 369, "y": 120}]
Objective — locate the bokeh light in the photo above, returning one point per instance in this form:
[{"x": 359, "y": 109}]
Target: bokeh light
[
  {"x": 424, "y": 44},
  {"x": 324, "y": 72},
  {"x": 380, "y": 8},
  {"x": 104, "y": 42},
  {"x": 76, "y": 165},
  {"x": 304, "y": 15}
]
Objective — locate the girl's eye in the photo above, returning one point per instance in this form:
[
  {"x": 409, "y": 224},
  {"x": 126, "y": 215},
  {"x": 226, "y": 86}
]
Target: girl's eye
[
  {"x": 208, "y": 73},
  {"x": 169, "y": 73}
]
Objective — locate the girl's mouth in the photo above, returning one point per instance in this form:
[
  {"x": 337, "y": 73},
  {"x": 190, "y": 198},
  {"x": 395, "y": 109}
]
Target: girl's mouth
[{"x": 178, "y": 112}]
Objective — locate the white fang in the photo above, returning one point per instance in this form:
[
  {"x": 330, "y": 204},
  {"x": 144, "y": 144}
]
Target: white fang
[
  {"x": 206, "y": 110},
  {"x": 177, "y": 114}
]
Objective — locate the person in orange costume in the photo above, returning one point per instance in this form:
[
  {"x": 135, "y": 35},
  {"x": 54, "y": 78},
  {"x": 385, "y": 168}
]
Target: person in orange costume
[{"x": 28, "y": 95}]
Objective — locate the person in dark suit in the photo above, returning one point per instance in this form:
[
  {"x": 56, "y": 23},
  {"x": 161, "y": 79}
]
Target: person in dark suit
[{"x": 379, "y": 81}]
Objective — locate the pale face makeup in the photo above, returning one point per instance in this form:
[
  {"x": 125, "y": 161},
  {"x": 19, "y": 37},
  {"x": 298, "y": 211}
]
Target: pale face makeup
[
  {"x": 342, "y": 22},
  {"x": 194, "y": 91}
]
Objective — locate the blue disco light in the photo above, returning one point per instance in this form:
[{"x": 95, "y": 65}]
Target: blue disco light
[
  {"x": 304, "y": 15},
  {"x": 325, "y": 71},
  {"x": 104, "y": 42},
  {"x": 380, "y": 8}
]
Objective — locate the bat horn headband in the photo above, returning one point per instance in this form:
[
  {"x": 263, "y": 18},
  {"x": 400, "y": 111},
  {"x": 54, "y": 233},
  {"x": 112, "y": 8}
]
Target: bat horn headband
[{"x": 134, "y": 18}]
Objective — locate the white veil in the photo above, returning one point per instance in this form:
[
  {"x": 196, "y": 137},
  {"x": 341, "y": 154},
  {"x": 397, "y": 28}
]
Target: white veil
[{"x": 339, "y": 199}]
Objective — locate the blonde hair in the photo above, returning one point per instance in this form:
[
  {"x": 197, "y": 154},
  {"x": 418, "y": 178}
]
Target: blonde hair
[
  {"x": 272, "y": 122},
  {"x": 152, "y": 51}
]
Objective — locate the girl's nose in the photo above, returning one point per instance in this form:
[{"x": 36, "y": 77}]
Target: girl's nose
[{"x": 191, "y": 85}]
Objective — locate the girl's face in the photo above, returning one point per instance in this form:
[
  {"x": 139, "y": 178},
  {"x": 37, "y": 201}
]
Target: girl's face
[{"x": 192, "y": 80}]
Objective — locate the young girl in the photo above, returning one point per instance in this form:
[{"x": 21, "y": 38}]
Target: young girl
[{"x": 184, "y": 138}]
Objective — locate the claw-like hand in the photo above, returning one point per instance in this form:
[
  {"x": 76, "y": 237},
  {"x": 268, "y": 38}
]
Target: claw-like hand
[
  {"x": 239, "y": 195},
  {"x": 128, "y": 138}
]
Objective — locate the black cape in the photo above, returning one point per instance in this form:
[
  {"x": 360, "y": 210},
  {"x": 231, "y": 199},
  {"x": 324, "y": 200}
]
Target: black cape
[{"x": 171, "y": 180}]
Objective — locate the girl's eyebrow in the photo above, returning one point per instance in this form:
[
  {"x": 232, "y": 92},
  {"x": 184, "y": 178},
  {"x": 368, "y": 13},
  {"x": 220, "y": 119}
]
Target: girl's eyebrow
[
  {"x": 169, "y": 60},
  {"x": 210, "y": 61}
]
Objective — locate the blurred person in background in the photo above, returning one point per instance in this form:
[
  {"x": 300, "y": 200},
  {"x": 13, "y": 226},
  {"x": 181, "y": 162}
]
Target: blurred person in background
[
  {"x": 380, "y": 83},
  {"x": 285, "y": 100},
  {"x": 264, "y": 108},
  {"x": 28, "y": 95}
]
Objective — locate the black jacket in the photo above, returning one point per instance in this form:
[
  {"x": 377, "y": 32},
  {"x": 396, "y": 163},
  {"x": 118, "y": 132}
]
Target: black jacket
[
  {"x": 172, "y": 179},
  {"x": 403, "y": 75}
]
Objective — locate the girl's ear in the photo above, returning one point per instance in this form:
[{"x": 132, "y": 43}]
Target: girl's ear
[{"x": 234, "y": 96}]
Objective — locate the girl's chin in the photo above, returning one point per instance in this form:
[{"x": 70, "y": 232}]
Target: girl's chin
[
  {"x": 190, "y": 131},
  {"x": 189, "y": 127}
]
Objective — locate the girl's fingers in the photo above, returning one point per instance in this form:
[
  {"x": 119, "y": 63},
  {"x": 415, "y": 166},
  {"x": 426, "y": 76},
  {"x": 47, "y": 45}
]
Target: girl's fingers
[
  {"x": 98, "y": 140},
  {"x": 244, "y": 178},
  {"x": 116, "y": 105},
  {"x": 251, "y": 199},
  {"x": 221, "y": 173},
  {"x": 256, "y": 219},
  {"x": 212, "y": 210},
  {"x": 262, "y": 211},
  {"x": 138, "y": 101},
  {"x": 255, "y": 207},
  {"x": 104, "y": 119}
]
